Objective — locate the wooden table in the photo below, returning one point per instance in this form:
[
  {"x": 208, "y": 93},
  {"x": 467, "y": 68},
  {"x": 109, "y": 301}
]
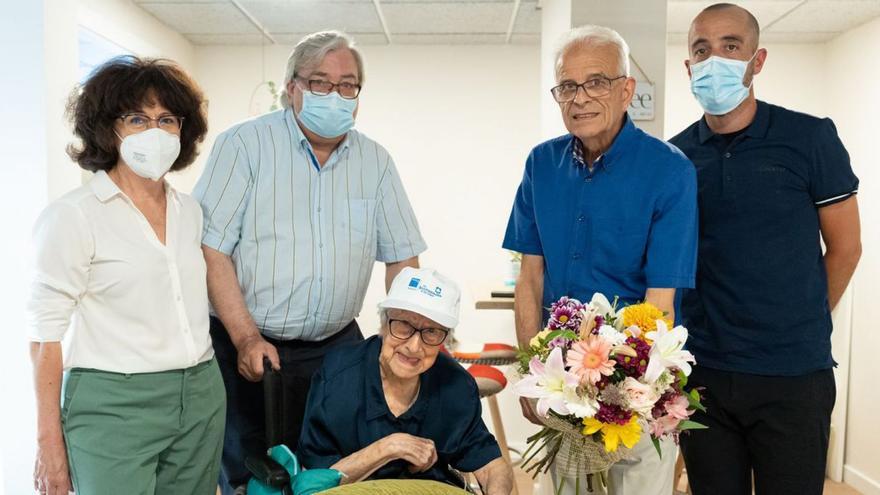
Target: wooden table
[{"x": 496, "y": 303}]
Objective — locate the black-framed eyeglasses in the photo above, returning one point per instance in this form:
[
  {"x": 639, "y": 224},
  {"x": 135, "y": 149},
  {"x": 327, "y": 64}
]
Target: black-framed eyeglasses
[
  {"x": 403, "y": 330},
  {"x": 137, "y": 122},
  {"x": 594, "y": 87},
  {"x": 321, "y": 87}
]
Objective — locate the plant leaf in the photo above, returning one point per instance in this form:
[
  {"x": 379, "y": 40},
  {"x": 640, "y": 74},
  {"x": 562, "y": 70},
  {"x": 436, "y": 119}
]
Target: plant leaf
[{"x": 691, "y": 425}]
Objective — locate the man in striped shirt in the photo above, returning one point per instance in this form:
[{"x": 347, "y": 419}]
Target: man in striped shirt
[{"x": 297, "y": 207}]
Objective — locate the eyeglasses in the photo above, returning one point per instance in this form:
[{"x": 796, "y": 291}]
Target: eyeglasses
[
  {"x": 138, "y": 122},
  {"x": 595, "y": 87},
  {"x": 404, "y": 330},
  {"x": 320, "y": 87}
]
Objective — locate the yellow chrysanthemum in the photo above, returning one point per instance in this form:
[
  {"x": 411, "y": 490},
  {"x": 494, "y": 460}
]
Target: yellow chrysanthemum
[
  {"x": 644, "y": 316},
  {"x": 613, "y": 433},
  {"x": 536, "y": 340}
]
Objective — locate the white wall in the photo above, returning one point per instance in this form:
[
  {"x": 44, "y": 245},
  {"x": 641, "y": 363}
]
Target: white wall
[
  {"x": 459, "y": 122},
  {"x": 23, "y": 179},
  {"x": 849, "y": 91}
]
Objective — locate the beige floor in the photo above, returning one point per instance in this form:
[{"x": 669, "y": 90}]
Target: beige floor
[{"x": 526, "y": 485}]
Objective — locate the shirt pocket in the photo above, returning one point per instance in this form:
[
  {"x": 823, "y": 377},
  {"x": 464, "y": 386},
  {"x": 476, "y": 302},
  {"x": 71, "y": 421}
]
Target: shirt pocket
[
  {"x": 618, "y": 246},
  {"x": 359, "y": 223}
]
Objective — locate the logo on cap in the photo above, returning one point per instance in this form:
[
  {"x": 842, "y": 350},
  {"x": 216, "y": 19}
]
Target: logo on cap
[{"x": 416, "y": 284}]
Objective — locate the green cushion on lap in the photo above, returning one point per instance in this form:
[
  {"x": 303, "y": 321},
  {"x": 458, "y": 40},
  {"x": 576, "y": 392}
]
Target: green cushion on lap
[{"x": 395, "y": 487}]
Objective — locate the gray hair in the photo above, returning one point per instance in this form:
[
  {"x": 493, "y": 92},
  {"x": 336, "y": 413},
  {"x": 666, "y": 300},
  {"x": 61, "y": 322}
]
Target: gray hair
[
  {"x": 311, "y": 50},
  {"x": 594, "y": 35}
]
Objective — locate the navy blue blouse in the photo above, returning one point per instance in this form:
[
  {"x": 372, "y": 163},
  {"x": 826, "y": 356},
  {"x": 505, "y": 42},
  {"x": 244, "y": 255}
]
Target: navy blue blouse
[{"x": 346, "y": 411}]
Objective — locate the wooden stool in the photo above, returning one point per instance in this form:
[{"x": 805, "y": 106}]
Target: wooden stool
[{"x": 490, "y": 381}]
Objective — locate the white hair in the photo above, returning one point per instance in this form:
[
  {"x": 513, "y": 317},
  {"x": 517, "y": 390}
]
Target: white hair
[
  {"x": 311, "y": 50},
  {"x": 594, "y": 35}
]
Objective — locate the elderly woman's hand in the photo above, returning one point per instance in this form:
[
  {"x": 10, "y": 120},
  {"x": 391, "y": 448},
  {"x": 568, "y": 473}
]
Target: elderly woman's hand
[
  {"x": 51, "y": 475},
  {"x": 419, "y": 452}
]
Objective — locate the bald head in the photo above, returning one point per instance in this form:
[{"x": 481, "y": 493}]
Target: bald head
[{"x": 730, "y": 14}]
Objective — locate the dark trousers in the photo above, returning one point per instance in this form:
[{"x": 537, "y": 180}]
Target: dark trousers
[
  {"x": 245, "y": 420},
  {"x": 775, "y": 427}
]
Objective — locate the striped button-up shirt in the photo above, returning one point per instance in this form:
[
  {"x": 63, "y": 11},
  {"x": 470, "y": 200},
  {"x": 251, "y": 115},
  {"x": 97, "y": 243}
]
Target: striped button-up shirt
[{"x": 303, "y": 237}]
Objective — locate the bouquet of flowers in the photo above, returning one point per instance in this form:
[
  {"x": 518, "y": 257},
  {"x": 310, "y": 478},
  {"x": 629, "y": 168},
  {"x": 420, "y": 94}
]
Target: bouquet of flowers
[{"x": 601, "y": 377}]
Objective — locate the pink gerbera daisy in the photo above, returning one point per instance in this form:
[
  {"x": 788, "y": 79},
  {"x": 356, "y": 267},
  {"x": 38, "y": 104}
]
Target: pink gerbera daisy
[{"x": 589, "y": 359}]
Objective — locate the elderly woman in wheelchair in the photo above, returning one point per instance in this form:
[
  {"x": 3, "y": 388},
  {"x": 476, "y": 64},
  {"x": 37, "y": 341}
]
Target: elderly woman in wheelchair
[{"x": 395, "y": 407}]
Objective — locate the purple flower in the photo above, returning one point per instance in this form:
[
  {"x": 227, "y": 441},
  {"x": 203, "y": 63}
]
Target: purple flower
[
  {"x": 635, "y": 366},
  {"x": 559, "y": 342},
  {"x": 564, "y": 317},
  {"x": 565, "y": 314},
  {"x": 609, "y": 413}
]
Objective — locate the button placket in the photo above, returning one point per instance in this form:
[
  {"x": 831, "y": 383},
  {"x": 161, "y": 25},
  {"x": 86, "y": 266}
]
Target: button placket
[
  {"x": 728, "y": 186},
  {"x": 177, "y": 290}
]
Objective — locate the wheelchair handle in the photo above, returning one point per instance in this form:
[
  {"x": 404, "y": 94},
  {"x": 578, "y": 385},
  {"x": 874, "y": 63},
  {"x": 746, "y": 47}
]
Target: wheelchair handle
[{"x": 273, "y": 395}]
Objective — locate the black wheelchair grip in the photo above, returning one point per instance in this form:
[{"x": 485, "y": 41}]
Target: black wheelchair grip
[{"x": 273, "y": 403}]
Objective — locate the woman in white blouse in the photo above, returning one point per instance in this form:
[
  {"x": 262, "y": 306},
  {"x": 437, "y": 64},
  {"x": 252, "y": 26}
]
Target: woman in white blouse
[{"x": 119, "y": 277}]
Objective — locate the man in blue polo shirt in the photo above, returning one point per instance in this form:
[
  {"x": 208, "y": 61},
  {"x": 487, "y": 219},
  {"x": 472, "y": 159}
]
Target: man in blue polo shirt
[
  {"x": 606, "y": 208},
  {"x": 770, "y": 182}
]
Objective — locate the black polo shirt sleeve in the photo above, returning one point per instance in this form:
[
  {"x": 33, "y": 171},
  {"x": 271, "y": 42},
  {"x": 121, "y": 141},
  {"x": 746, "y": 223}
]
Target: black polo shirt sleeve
[
  {"x": 477, "y": 446},
  {"x": 316, "y": 448},
  {"x": 522, "y": 229},
  {"x": 831, "y": 177}
]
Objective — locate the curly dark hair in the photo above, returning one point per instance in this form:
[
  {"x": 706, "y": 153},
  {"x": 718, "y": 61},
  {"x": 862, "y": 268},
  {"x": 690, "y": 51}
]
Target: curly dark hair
[{"x": 127, "y": 84}]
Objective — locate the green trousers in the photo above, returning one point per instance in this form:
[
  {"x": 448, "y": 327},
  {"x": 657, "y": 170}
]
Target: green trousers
[{"x": 145, "y": 433}]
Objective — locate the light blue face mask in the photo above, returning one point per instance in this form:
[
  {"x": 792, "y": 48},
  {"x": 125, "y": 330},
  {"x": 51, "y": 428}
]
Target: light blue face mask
[
  {"x": 717, "y": 83},
  {"x": 327, "y": 115}
]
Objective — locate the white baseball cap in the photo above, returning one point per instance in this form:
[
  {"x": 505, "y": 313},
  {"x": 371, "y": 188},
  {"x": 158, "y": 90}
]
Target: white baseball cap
[{"x": 426, "y": 292}]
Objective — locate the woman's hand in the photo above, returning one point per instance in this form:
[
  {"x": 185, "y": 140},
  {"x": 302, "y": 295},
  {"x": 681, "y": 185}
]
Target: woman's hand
[
  {"x": 419, "y": 452},
  {"x": 50, "y": 469},
  {"x": 51, "y": 476}
]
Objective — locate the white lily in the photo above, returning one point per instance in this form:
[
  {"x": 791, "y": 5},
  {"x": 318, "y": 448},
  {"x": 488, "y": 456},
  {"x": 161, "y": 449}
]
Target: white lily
[
  {"x": 549, "y": 383},
  {"x": 600, "y": 304},
  {"x": 667, "y": 351}
]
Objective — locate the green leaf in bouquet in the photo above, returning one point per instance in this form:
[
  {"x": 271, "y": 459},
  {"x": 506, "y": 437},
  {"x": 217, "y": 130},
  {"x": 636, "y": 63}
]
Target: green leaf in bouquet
[
  {"x": 656, "y": 442},
  {"x": 682, "y": 379},
  {"x": 566, "y": 334},
  {"x": 523, "y": 356},
  {"x": 691, "y": 425},
  {"x": 694, "y": 400},
  {"x": 617, "y": 376}
]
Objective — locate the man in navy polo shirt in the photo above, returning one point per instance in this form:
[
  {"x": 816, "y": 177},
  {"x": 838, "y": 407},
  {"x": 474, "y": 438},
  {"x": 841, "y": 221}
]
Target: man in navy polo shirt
[
  {"x": 770, "y": 182},
  {"x": 606, "y": 208}
]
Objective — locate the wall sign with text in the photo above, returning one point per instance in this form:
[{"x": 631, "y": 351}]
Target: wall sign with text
[{"x": 642, "y": 105}]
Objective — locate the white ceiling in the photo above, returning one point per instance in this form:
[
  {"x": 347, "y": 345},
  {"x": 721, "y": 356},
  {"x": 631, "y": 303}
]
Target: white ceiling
[{"x": 235, "y": 22}]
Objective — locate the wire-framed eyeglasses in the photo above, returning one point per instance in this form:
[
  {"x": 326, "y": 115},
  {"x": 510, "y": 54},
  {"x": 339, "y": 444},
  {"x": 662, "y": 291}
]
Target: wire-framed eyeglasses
[{"x": 594, "y": 87}]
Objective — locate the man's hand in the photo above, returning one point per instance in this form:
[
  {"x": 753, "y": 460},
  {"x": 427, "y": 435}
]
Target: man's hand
[
  {"x": 251, "y": 352},
  {"x": 51, "y": 475},
  {"x": 528, "y": 411},
  {"x": 419, "y": 452}
]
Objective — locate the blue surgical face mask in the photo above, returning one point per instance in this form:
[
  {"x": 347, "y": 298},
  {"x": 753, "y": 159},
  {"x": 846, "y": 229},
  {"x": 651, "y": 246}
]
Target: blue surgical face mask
[
  {"x": 327, "y": 115},
  {"x": 717, "y": 83}
]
